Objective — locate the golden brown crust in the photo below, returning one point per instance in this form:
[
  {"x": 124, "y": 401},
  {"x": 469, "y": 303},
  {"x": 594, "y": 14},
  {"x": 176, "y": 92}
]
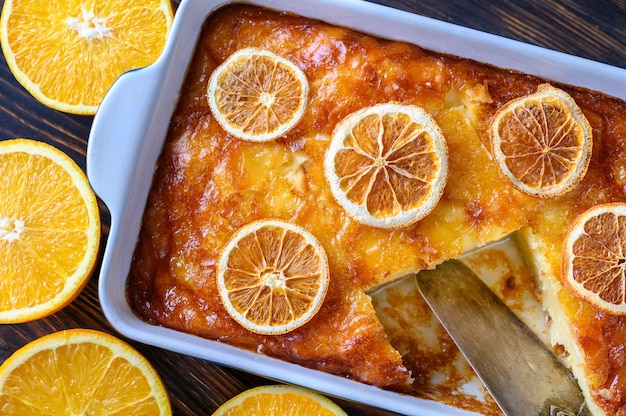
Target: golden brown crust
[{"x": 209, "y": 184}]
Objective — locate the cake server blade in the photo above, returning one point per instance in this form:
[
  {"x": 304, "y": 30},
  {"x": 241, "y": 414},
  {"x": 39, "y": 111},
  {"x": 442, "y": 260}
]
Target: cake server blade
[{"x": 522, "y": 374}]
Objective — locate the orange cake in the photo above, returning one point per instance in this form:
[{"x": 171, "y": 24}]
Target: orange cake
[{"x": 209, "y": 183}]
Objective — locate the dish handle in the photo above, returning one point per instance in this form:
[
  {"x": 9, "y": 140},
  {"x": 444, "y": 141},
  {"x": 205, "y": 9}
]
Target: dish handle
[{"x": 116, "y": 136}]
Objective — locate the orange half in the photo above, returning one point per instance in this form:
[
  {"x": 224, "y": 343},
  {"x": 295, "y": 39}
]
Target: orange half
[
  {"x": 279, "y": 400},
  {"x": 49, "y": 230},
  {"x": 80, "y": 372},
  {"x": 67, "y": 53}
]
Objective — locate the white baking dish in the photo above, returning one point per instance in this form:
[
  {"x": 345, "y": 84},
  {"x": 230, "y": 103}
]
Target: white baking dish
[{"x": 130, "y": 127}]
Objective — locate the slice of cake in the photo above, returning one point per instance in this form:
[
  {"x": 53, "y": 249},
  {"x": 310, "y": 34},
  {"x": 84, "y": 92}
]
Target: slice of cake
[{"x": 209, "y": 184}]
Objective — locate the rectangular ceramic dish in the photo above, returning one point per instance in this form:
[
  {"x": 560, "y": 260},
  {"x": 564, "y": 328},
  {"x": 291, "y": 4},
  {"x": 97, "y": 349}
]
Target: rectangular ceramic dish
[{"x": 131, "y": 125}]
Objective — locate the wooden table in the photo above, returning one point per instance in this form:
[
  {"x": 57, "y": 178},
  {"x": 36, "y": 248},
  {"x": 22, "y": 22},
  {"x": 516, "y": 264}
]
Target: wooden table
[{"x": 594, "y": 29}]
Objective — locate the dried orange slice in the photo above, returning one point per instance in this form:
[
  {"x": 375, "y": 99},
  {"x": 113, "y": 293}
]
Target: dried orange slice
[
  {"x": 257, "y": 95},
  {"x": 272, "y": 276},
  {"x": 594, "y": 257},
  {"x": 80, "y": 372},
  {"x": 49, "y": 230},
  {"x": 279, "y": 400},
  {"x": 387, "y": 165},
  {"x": 67, "y": 53},
  {"x": 542, "y": 142}
]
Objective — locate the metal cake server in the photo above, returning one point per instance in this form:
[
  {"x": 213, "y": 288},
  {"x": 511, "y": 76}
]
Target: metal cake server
[{"x": 522, "y": 374}]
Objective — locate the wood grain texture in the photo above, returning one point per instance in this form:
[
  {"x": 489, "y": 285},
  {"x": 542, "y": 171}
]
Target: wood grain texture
[{"x": 591, "y": 29}]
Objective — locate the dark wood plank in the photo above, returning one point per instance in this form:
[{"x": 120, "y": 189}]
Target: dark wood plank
[{"x": 591, "y": 29}]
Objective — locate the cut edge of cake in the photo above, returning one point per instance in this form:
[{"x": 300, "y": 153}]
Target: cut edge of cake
[{"x": 549, "y": 284}]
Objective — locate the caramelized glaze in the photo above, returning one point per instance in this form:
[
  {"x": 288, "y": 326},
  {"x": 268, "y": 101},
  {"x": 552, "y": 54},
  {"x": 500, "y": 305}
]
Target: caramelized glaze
[{"x": 208, "y": 184}]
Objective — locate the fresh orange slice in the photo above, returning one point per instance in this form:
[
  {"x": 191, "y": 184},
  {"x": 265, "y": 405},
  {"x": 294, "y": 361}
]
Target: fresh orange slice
[
  {"x": 542, "y": 142},
  {"x": 49, "y": 230},
  {"x": 387, "y": 165},
  {"x": 272, "y": 276},
  {"x": 67, "y": 53},
  {"x": 279, "y": 400},
  {"x": 257, "y": 95},
  {"x": 80, "y": 372},
  {"x": 594, "y": 257}
]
